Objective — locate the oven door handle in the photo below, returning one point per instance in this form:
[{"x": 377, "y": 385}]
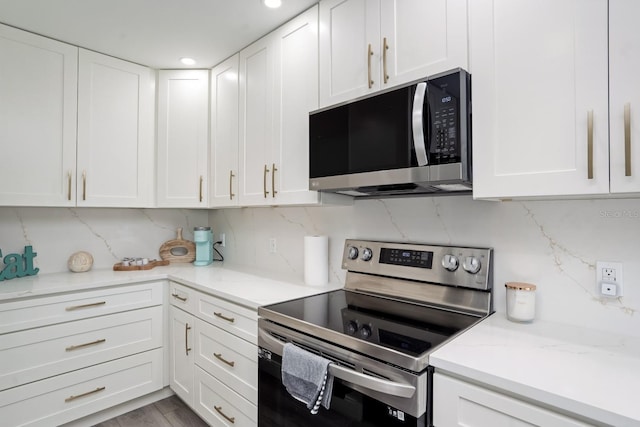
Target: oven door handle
[
  {"x": 351, "y": 376},
  {"x": 371, "y": 383}
]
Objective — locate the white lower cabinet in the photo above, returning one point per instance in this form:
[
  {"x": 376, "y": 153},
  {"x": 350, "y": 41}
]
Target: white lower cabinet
[
  {"x": 221, "y": 406},
  {"x": 460, "y": 403},
  {"x": 214, "y": 357},
  {"x": 67, "y": 397},
  {"x": 68, "y": 356},
  {"x": 181, "y": 354}
]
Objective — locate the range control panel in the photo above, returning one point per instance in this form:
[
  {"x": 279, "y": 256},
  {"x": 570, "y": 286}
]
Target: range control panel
[{"x": 450, "y": 265}]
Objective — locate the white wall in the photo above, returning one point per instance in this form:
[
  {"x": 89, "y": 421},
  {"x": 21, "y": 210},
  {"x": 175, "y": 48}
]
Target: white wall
[
  {"x": 108, "y": 234},
  {"x": 554, "y": 244}
]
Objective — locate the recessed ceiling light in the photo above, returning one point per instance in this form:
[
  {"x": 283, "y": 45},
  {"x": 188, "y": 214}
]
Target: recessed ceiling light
[
  {"x": 272, "y": 3},
  {"x": 188, "y": 61}
]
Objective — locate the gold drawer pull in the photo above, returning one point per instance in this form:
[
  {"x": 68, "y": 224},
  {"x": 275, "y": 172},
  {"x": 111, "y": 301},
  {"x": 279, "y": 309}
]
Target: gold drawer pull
[
  {"x": 369, "y": 55},
  {"x": 176, "y": 296},
  {"x": 84, "y": 185},
  {"x": 75, "y": 347},
  {"x": 627, "y": 139},
  {"x": 219, "y": 357},
  {"x": 71, "y": 398},
  {"x": 232, "y": 420},
  {"x": 186, "y": 338},
  {"x": 273, "y": 180},
  {"x": 69, "y": 185},
  {"x": 385, "y": 48},
  {"x": 79, "y": 307},
  {"x": 590, "y": 144},
  {"x": 264, "y": 181},
  {"x": 222, "y": 316}
]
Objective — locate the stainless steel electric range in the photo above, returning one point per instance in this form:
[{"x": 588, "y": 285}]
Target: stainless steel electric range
[{"x": 400, "y": 302}]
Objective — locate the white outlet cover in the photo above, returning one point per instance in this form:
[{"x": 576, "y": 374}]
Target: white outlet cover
[{"x": 600, "y": 280}]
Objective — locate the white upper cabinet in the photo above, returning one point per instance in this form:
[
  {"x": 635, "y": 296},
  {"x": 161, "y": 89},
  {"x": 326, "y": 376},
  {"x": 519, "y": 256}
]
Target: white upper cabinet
[
  {"x": 38, "y": 107},
  {"x": 540, "y": 97},
  {"x": 224, "y": 134},
  {"x": 183, "y": 133},
  {"x": 368, "y": 45},
  {"x": 256, "y": 125},
  {"x": 115, "y": 164},
  {"x": 624, "y": 69},
  {"x": 295, "y": 94},
  {"x": 423, "y": 38},
  {"x": 278, "y": 89}
]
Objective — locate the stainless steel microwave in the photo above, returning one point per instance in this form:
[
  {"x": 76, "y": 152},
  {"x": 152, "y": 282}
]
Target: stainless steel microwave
[{"x": 411, "y": 140}]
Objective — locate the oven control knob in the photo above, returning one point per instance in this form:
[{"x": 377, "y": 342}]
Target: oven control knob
[
  {"x": 365, "y": 332},
  {"x": 450, "y": 262},
  {"x": 471, "y": 264},
  {"x": 367, "y": 254},
  {"x": 352, "y": 252},
  {"x": 352, "y": 327}
]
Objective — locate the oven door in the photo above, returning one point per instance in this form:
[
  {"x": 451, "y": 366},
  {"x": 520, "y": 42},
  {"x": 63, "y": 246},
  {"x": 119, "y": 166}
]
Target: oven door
[{"x": 365, "y": 392}]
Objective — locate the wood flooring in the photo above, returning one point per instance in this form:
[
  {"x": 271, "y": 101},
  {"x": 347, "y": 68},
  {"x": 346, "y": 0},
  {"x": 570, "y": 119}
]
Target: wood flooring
[{"x": 169, "y": 412}]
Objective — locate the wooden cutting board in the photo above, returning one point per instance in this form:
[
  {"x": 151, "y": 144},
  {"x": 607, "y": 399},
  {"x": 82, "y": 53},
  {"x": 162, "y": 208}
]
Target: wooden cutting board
[
  {"x": 149, "y": 266},
  {"x": 178, "y": 249}
]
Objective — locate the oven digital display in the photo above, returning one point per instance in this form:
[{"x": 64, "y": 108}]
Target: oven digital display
[{"x": 410, "y": 258}]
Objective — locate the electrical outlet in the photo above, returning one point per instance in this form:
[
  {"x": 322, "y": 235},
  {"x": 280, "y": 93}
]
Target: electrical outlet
[
  {"x": 223, "y": 240},
  {"x": 272, "y": 245},
  {"x": 609, "y": 279}
]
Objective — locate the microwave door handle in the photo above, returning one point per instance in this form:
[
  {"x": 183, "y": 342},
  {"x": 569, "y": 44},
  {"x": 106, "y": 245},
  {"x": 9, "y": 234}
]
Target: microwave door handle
[
  {"x": 417, "y": 123},
  {"x": 349, "y": 375}
]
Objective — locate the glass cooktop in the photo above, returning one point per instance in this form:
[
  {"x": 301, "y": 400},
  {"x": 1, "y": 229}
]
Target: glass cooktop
[{"x": 407, "y": 327}]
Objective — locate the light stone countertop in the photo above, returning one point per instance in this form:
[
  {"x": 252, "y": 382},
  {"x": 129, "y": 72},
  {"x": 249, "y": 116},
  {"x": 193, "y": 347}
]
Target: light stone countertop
[
  {"x": 248, "y": 288},
  {"x": 581, "y": 371}
]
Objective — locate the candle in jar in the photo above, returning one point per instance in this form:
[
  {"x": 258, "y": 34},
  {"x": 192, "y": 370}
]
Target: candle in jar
[{"x": 521, "y": 301}]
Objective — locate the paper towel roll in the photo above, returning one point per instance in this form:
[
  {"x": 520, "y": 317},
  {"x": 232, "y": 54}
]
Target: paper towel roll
[{"x": 316, "y": 260}]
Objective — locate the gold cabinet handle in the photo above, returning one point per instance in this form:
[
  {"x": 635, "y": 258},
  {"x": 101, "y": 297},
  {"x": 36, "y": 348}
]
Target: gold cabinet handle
[
  {"x": 385, "y": 47},
  {"x": 69, "y": 185},
  {"x": 78, "y": 396},
  {"x": 222, "y": 316},
  {"x": 369, "y": 55},
  {"x": 79, "y": 307},
  {"x": 84, "y": 185},
  {"x": 231, "y": 175},
  {"x": 186, "y": 338},
  {"x": 219, "y": 357},
  {"x": 232, "y": 420},
  {"x": 264, "y": 181},
  {"x": 590, "y": 144},
  {"x": 78, "y": 346},
  {"x": 176, "y": 296},
  {"x": 200, "y": 190},
  {"x": 273, "y": 180},
  {"x": 627, "y": 139}
]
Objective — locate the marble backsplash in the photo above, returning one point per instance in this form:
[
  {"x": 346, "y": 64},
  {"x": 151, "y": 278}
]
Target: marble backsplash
[
  {"x": 107, "y": 234},
  {"x": 553, "y": 244}
]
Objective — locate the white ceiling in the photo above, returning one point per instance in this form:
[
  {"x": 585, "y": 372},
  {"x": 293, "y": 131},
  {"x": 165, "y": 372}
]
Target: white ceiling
[{"x": 156, "y": 33}]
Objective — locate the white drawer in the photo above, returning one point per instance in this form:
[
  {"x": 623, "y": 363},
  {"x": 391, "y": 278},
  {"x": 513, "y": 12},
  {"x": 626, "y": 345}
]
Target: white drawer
[
  {"x": 183, "y": 297},
  {"x": 237, "y": 320},
  {"x": 77, "y": 394},
  {"x": 34, "y": 312},
  {"x": 228, "y": 358},
  {"x": 218, "y": 404},
  {"x": 43, "y": 352}
]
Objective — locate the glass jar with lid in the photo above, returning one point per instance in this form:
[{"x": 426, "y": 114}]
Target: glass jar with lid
[{"x": 521, "y": 301}]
